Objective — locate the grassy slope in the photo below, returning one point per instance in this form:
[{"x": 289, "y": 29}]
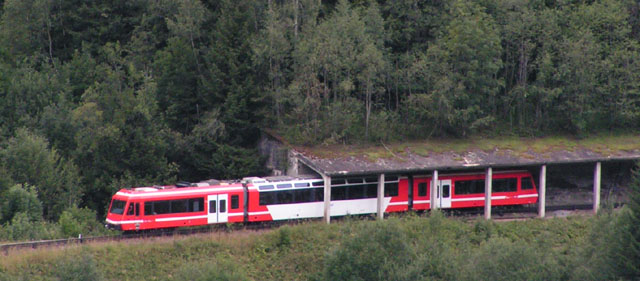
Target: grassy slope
[{"x": 288, "y": 253}]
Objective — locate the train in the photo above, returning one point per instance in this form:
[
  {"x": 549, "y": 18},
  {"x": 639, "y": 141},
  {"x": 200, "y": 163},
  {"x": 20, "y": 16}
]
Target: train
[{"x": 256, "y": 199}]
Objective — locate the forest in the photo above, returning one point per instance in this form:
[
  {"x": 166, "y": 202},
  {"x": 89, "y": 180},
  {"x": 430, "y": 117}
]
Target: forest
[{"x": 100, "y": 95}]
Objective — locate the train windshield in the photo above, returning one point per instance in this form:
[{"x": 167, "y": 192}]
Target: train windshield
[{"x": 117, "y": 207}]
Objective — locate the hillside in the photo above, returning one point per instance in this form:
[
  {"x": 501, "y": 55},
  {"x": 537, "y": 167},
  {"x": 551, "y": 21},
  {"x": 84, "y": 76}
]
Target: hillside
[{"x": 412, "y": 247}]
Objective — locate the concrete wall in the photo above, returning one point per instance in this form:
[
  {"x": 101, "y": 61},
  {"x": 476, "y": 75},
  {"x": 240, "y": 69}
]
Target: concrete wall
[
  {"x": 276, "y": 154},
  {"x": 281, "y": 160}
]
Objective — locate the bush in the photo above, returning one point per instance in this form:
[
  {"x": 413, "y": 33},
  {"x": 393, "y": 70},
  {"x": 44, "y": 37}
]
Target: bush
[
  {"x": 23, "y": 228},
  {"x": 501, "y": 259},
  {"x": 378, "y": 251},
  {"x": 78, "y": 268},
  {"x": 74, "y": 221},
  {"x": 627, "y": 239},
  {"x": 20, "y": 199}
]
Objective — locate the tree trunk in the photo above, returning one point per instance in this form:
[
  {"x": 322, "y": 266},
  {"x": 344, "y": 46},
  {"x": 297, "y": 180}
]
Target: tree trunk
[{"x": 295, "y": 19}]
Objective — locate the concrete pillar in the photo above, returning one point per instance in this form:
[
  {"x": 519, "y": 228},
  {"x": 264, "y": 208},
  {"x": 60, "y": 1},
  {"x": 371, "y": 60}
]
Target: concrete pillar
[
  {"x": 487, "y": 193},
  {"x": 327, "y": 198},
  {"x": 542, "y": 191},
  {"x": 596, "y": 187},
  {"x": 432, "y": 194},
  {"x": 380, "y": 196}
]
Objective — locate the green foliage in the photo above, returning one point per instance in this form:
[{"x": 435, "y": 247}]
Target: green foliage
[
  {"x": 99, "y": 95},
  {"x": 75, "y": 221},
  {"x": 22, "y": 200},
  {"x": 78, "y": 268},
  {"x": 413, "y": 247},
  {"x": 25, "y": 25},
  {"x": 626, "y": 248},
  {"x": 28, "y": 159},
  {"x": 377, "y": 251},
  {"x": 501, "y": 259},
  {"x": 597, "y": 259},
  {"x": 23, "y": 228}
]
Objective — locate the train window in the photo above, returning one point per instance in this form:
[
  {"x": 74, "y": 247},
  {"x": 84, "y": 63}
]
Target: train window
[
  {"x": 319, "y": 194},
  {"x": 445, "y": 191},
  {"x": 171, "y": 206},
  {"x": 357, "y": 192},
  {"x": 130, "y": 210},
  {"x": 372, "y": 190},
  {"x": 337, "y": 181},
  {"x": 212, "y": 207},
  {"x": 148, "y": 208},
  {"x": 371, "y": 179},
  {"x": 179, "y": 206},
  {"x": 390, "y": 178},
  {"x": 196, "y": 205},
  {"x": 354, "y": 180},
  {"x": 422, "y": 189},
  {"x": 391, "y": 189},
  {"x": 117, "y": 207},
  {"x": 303, "y": 195},
  {"x": 468, "y": 187},
  {"x": 284, "y": 185},
  {"x": 223, "y": 206},
  {"x": 318, "y": 183},
  {"x": 292, "y": 196},
  {"x": 339, "y": 193},
  {"x": 284, "y": 197},
  {"x": 265, "y": 187},
  {"x": 504, "y": 185},
  {"x": 526, "y": 183},
  {"x": 161, "y": 207},
  {"x": 301, "y": 184},
  {"x": 264, "y": 198},
  {"x": 235, "y": 201}
]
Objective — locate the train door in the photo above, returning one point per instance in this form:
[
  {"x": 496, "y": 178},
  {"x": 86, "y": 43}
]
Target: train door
[
  {"x": 133, "y": 213},
  {"x": 443, "y": 194},
  {"x": 223, "y": 215},
  {"x": 217, "y": 208}
]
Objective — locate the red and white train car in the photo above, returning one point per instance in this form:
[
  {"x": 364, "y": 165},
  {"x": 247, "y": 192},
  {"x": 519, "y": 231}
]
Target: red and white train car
[
  {"x": 171, "y": 206},
  {"x": 467, "y": 190},
  {"x": 285, "y": 198}
]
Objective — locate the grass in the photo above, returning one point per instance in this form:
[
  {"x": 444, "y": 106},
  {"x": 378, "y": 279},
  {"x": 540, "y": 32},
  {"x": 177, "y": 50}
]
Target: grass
[
  {"x": 517, "y": 146},
  {"x": 288, "y": 253}
]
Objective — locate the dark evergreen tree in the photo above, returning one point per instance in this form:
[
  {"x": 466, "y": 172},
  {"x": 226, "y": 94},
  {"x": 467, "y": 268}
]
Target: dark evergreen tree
[{"x": 626, "y": 244}]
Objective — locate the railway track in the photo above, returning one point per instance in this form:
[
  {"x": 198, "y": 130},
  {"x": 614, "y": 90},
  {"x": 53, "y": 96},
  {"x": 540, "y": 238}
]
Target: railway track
[
  {"x": 520, "y": 213},
  {"x": 7, "y": 247}
]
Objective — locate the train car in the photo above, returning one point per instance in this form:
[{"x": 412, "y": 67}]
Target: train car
[
  {"x": 467, "y": 190},
  {"x": 257, "y": 199},
  {"x": 156, "y": 207},
  {"x": 285, "y": 198}
]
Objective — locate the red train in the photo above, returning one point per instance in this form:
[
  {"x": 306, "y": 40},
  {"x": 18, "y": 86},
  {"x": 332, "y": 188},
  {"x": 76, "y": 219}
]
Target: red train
[{"x": 284, "y": 198}]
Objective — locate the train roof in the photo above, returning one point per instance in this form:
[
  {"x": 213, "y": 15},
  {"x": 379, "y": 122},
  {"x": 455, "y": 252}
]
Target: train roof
[{"x": 179, "y": 190}]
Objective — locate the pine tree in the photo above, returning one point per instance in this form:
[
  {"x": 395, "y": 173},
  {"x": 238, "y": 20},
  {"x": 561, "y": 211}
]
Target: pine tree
[{"x": 627, "y": 245}]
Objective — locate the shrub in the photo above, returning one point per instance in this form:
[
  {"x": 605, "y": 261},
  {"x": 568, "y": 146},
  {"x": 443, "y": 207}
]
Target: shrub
[
  {"x": 78, "y": 268},
  {"x": 627, "y": 239},
  {"x": 20, "y": 199},
  {"x": 74, "y": 221},
  {"x": 378, "y": 251},
  {"x": 23, "y": 228},
  {"x": 501, "y": 259}
]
